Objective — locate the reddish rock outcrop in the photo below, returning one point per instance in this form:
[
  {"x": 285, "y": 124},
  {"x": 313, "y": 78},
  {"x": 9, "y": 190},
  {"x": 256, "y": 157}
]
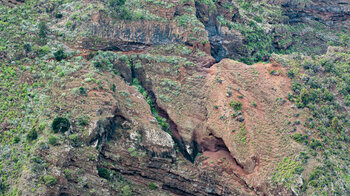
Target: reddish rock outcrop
[{"x": 225, "y": 119}]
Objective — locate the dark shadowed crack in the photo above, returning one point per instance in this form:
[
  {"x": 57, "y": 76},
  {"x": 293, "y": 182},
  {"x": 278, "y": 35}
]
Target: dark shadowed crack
[
  {"x": 163, "y": 113},
  {"x": 174, "y": 131},
  {"x": 219, "y": 145},
  {"x": 218, "y": 52}
]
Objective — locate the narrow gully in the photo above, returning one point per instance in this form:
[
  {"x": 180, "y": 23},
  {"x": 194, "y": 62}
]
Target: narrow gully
[{"x": 173, "y": 127}]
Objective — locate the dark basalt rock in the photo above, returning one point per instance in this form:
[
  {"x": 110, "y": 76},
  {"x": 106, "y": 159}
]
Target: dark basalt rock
[
  {"x": 214, "y": 34},
  {"x": 330, "y": 13}
]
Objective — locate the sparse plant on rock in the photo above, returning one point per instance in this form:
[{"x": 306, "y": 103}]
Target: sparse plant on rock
[{"x": 236, "y": 105}]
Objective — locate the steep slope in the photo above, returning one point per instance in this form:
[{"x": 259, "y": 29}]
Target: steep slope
[{"x": 136, "y": 98}]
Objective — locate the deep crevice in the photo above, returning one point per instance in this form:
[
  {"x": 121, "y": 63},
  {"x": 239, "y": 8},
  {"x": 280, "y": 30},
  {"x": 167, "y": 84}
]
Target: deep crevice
[
  {"x": 219, "y": 145},
  {"x": 173, "y": 127},
  {"x": 217, "y": 51},
  {"x": 174, "y": 131}
]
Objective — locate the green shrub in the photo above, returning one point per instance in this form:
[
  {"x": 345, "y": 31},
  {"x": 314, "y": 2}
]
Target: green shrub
[
  {"x": 114, "y": 3},
  {"x": 125, "y": 14},
  {"x": 45, "y": 50},
  {"x": 53, "y": 140},
  {"x": 50, "y": 180},
  {"x": 42, "y": 34},
  {"x": 42, "y": 29},
  {"x": 58, "y": 15},
  {"x": 126, "y": 191},
  {"x": 104, "y": 173},
  {"x": 42, "y": 126},
  {"x": 152, "y": 186},
  {"x": 344, "y": 40},
  {"x": 315, "y": 175},
  {"x": 245, "y": 4},
  {"x": 236, "y": 105},
  {"x": 254, "y": 104},
  {"x": 273, "y": 72},
  {"x": 132, "y": 152},
  {"x": 75, "y": 140},
  {"x": 16, "y": 139},
  {"x": 300, "y": 138},
  {"x": 314, "y": 144},
  {"x": 298, "y": 170},
  {"x": 97, "y": 64},
  {"x": 60, "y": 124},
  {"x": 32, "y": 135},
  {"x": 60, "y": 55},
  {"x": 113, "y": 87},
  {"x": 291, "y": 74},
  {"x": 336, "y": 124},
  {"x": 27, "y": 47},
  {"x": 83, "y": 120},
  {"x": 119, "y": 11},
  {"x": 67, "y": 174},
  {"x": 82, "y": 91}
]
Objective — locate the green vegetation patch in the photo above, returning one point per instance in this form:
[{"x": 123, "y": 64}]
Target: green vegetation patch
[
  {"x": 60, "y": 125},
  {"x": 321, "y": 86}
]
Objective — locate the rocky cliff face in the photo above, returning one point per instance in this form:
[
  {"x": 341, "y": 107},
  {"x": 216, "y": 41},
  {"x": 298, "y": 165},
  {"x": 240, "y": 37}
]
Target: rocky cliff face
[
  {"x": 155, "y": 104},
  {"x": 124, "y": 138},
  {"x": 331, "y": 13}
]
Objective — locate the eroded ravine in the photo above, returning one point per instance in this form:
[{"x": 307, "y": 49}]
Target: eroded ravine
[
  {"x": 139, "y": 75},
  {"x": 198, "y": 140},
  {"x": 112, "y": 125}
]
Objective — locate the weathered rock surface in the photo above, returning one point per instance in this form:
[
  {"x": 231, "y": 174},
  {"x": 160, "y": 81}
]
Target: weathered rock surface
[
  {"x": 107, "y": 33},
  {"x": 332, "y": 13},
  {"x": 202, "y": 29}
]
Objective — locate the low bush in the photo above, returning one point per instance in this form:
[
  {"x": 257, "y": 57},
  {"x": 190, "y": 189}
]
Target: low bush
[
  {"x": 60, "y": 55},
  {"x": 126, "y": 191},
  {"x": 236, "y": 105},
  {"x": 152, "y": 186},
  {"x": 104, "y": 173},
  {"x": 114, "y": 3},
  {"x": 119, "y": 11},
  {"x": 314, "y": 144},
  {"x": 83, "y": 120},
  {"x": 50, "y": 180},
  {"x": 53, "y": 140},
  {"x": 32, "y": 135},
  {"x": 16, "y": 139},
  {"x": 82, "y": 91},
  {"x": 58, "y": 15},
  {"x": 60, "y": 124},
  {"x": 300, "y": 138},
  {"x": 74, "y": 138},
  {"x": 42, "y": 29}
]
